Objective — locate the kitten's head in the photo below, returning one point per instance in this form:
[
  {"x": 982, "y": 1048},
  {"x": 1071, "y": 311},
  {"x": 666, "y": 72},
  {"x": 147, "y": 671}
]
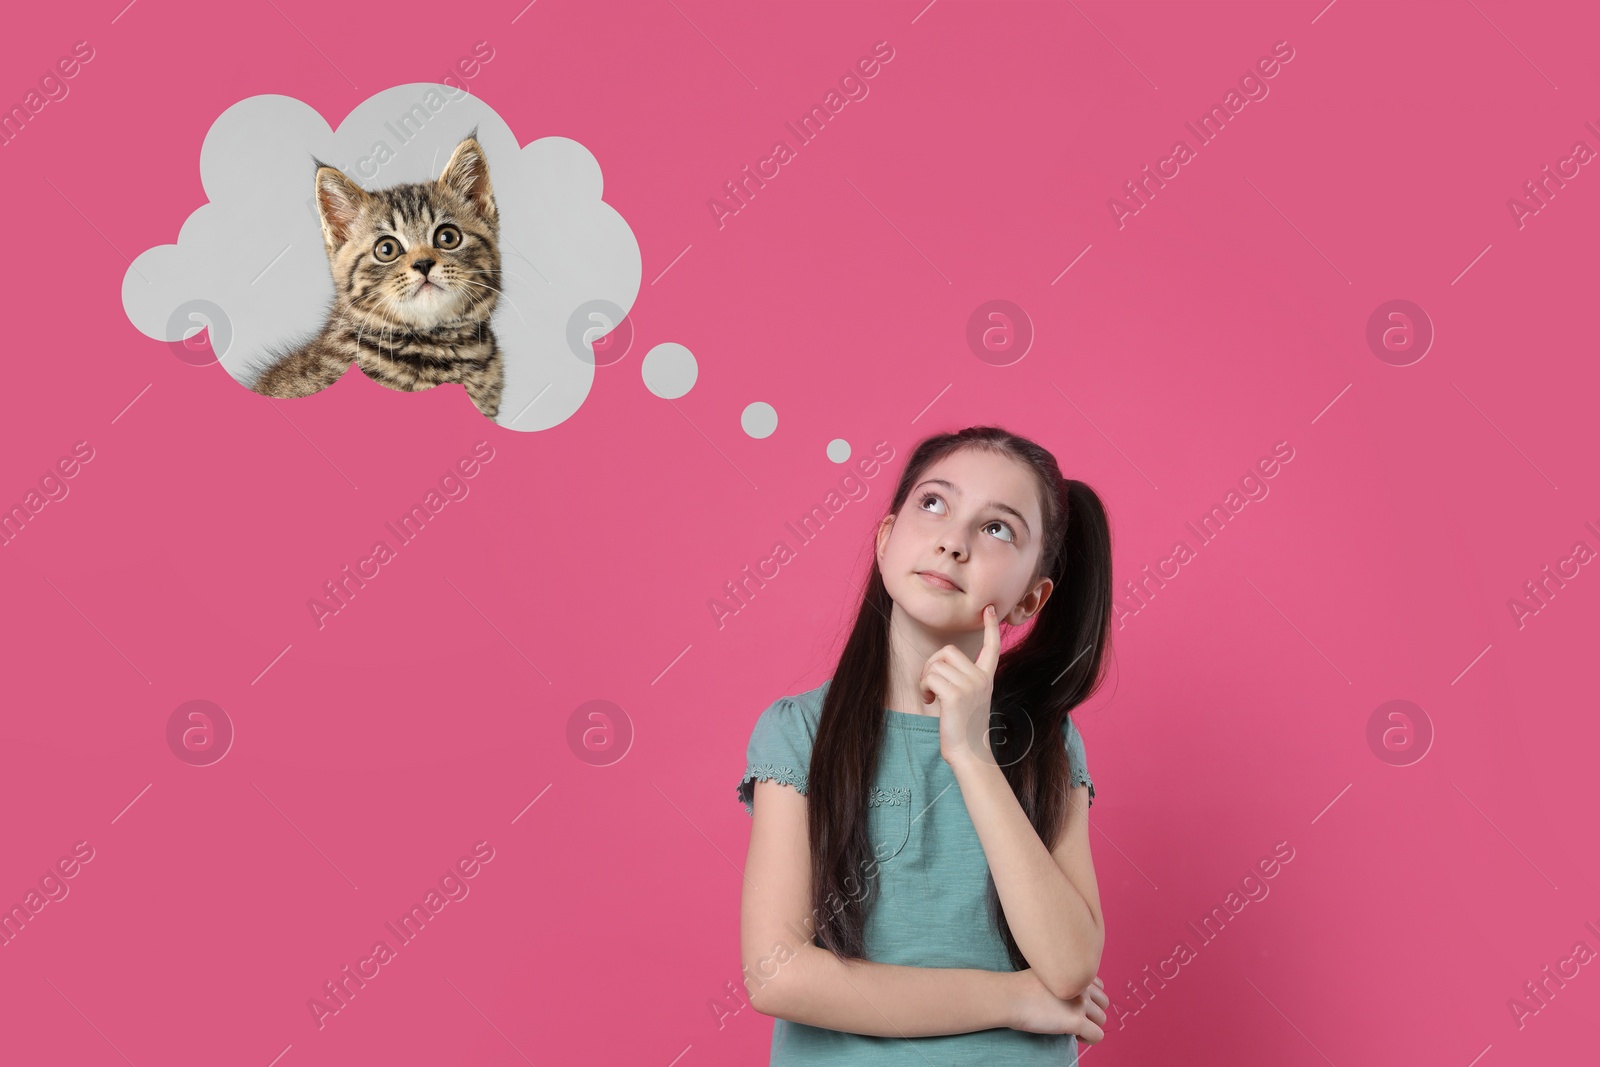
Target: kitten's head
[{"x": 419, "y": 255}]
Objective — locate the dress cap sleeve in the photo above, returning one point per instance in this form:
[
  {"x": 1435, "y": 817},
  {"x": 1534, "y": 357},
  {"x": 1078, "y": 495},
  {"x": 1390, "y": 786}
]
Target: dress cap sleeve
[
  {"x": 1076, "y": 760},
  {"x": 779, "y": 751}
]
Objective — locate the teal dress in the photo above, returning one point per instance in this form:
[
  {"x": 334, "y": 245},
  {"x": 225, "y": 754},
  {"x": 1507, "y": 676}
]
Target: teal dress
[{"x": 933, "y": 907}]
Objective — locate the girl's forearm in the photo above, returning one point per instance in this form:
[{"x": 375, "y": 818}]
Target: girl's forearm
[
  {"x": 885, "y": 1000},
  {"x": 1049, "y": 918}
]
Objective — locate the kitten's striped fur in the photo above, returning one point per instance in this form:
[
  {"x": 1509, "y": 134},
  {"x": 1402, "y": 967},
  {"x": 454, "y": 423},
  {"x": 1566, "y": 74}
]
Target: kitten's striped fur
[{"x": 402, "y": 332}]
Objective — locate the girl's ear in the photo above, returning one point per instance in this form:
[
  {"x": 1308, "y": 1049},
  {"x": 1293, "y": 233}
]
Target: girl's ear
[
  {"x": 1032, "y": 603},
  {"x": 883, "y": 536}
]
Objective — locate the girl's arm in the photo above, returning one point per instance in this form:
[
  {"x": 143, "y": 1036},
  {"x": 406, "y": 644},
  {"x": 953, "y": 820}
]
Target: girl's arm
[
  {"x": 789, "y": 977},
  {"x": 1051, "y": 899},
  {"x": 815, "y": 987}
]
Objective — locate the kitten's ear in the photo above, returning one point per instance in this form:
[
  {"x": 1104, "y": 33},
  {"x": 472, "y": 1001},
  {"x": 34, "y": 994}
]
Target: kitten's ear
[
  {"x": 339, "y": 202},
  {"x": 468, "y": 174}
]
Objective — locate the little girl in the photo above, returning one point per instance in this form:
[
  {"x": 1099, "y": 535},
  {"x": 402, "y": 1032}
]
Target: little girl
[{"x": 918, "y": 888}]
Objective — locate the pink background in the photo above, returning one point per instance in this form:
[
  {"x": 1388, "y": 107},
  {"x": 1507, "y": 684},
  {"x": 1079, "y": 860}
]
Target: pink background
[{"x": 1227, "y": 316}]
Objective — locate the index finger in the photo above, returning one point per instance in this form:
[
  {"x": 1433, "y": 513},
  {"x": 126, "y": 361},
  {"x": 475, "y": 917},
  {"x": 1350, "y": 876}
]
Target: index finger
[{"x": 989, "y": 655}]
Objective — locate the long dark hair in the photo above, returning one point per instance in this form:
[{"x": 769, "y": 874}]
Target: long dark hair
[{"x": 1036, "y": 685}]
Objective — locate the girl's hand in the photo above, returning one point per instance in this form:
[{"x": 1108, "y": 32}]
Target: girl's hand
[
  {"x": 1036, "y": 1010},
  {"x": 962, "y": 690}
]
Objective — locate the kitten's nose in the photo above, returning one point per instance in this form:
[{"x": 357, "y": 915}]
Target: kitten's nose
[{"x": 424, "y": 266}]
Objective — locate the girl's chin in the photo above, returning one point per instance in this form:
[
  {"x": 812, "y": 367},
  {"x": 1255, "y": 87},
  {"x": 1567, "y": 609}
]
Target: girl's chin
[{"x": 949, "y": 621}]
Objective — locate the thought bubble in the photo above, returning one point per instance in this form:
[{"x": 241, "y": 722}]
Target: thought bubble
[{"x": 253, "y": 256}]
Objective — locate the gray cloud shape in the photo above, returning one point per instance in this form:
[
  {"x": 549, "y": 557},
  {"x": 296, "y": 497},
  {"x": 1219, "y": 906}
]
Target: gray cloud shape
[{"x": 254, "y": 253}]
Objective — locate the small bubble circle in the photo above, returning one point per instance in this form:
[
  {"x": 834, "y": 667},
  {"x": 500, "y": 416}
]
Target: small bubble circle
[
  {"x": 669, "y": 370},
  {"x": 838, "y": 450},
  {"x": 759, "y": 419},
  {"x": 599, "y": 732},
  {"x": 1399, "y": 733},
  {"x": 199, "y": 732}
]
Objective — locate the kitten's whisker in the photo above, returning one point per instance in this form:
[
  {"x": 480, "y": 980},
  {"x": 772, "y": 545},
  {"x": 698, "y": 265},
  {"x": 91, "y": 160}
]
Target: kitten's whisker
[
  {"x": 512, "y": 274},
  {"x": 497, "y": 273},
  {"x": 385, "y": 304},
  {"x": 504, "y": 297}
]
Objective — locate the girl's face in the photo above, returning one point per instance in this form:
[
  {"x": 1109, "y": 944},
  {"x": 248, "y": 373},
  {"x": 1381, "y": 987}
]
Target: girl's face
[{"x": 975, "y": 518}]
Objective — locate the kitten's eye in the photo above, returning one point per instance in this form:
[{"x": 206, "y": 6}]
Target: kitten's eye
[
  {"x": 447, "y": 237},
  {"x": 387, "y": 250}
]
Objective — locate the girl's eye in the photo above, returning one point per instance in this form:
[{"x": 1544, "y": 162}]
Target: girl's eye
[
  {"x": 1010, "y": 534},
  {"x": 387, "y": 250},
  {"x": 447, "y": 237}
]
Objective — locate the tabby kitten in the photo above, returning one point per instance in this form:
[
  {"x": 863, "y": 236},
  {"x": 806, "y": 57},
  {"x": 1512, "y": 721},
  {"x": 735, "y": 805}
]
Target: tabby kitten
[{"x": 416, "y": 273}]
